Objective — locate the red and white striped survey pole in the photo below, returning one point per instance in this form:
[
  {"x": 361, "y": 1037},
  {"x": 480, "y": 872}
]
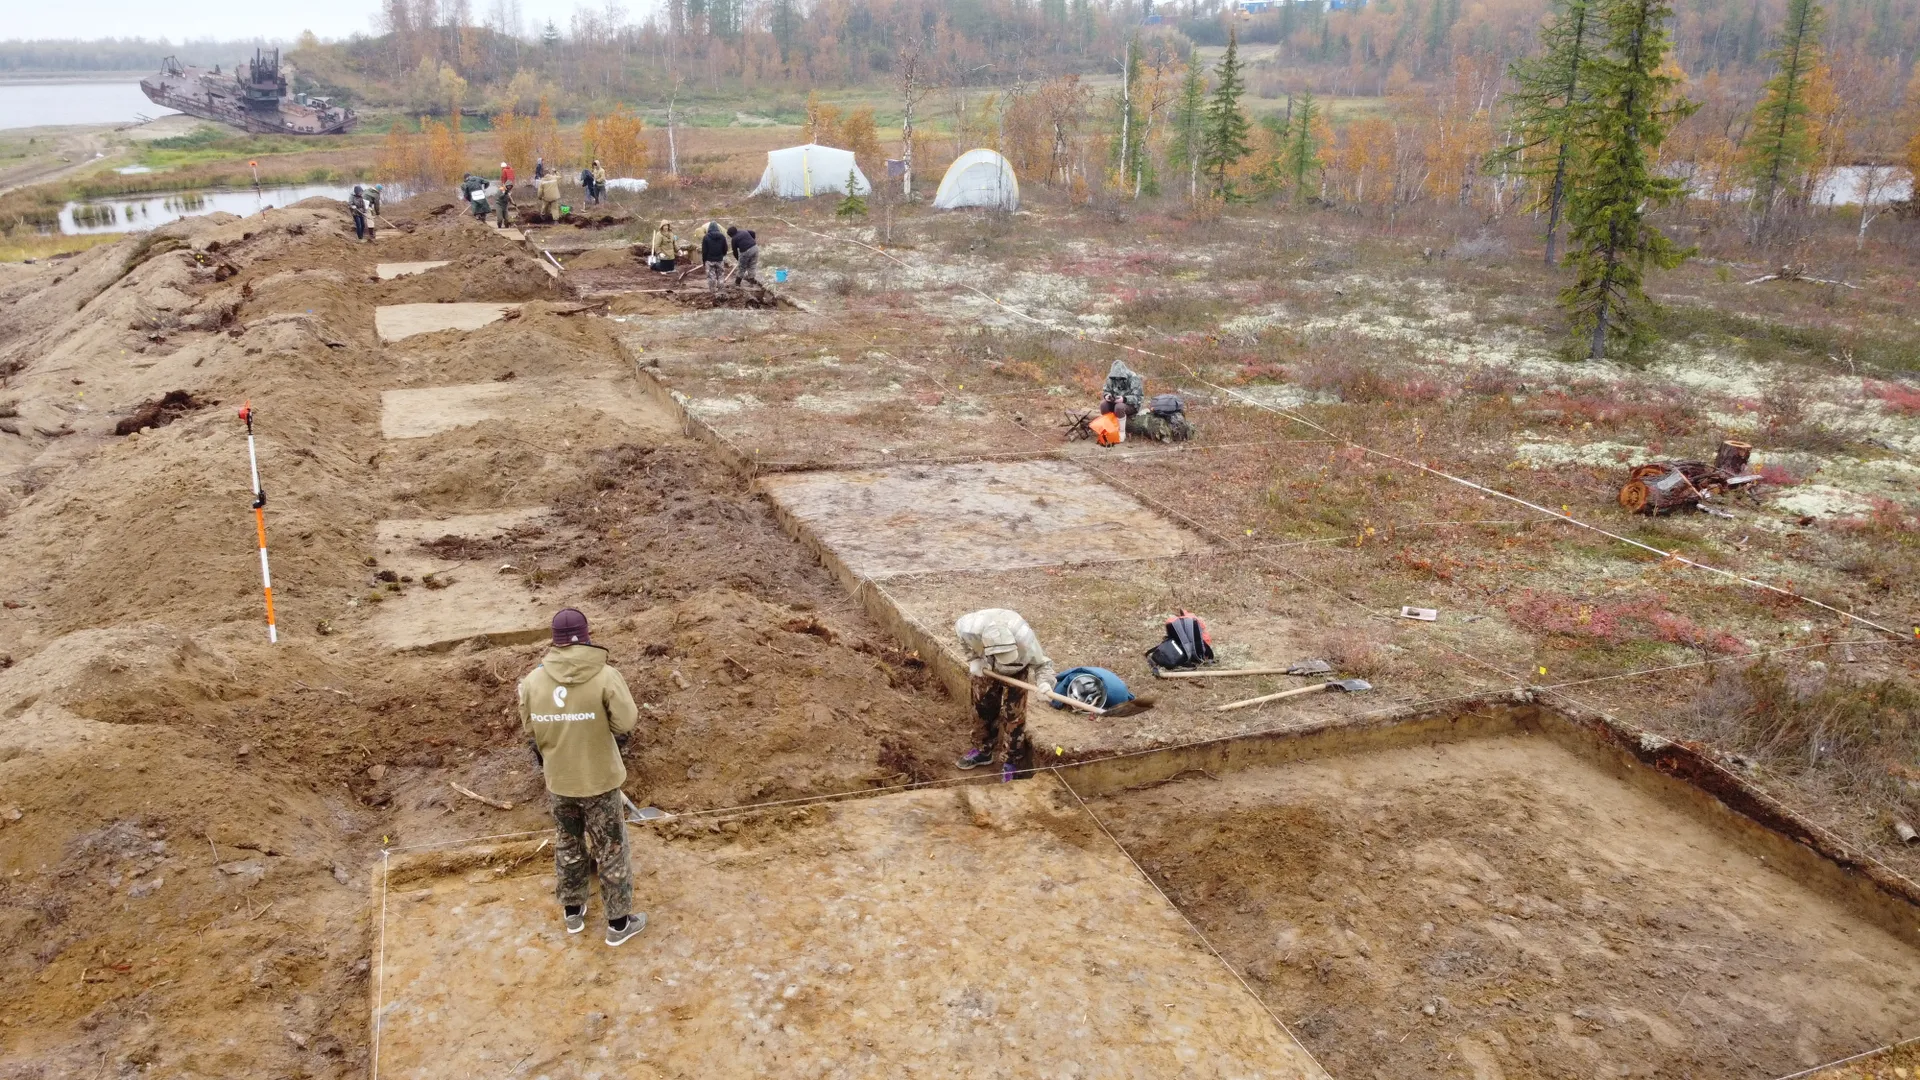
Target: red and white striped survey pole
[{"x": 260, "y": 520}]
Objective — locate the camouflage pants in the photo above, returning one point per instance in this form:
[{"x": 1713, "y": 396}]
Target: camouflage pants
[
  {"x": 592, "y": 834},
  {"x": 715, "y": 271},
  {"x": 1000, "y": 722},
  {"x": 501, "y": 203},
  {"x": 749, "y": 262}
]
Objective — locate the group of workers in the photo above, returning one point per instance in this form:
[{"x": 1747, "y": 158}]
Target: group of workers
[
  {"x": 579, "y": 715},
  {"x": 546, "y": 191},
  {"x": 663, "y": 253}
]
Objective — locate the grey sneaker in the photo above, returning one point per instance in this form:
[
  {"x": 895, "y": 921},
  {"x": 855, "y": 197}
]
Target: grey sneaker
[
  {"x": 576, "y": 920},
  {"x": 973, "y": 759},
  {"x": 636, "y": 922}
]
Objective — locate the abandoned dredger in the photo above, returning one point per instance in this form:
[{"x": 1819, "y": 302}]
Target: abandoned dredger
[{"x": 253, "y": 98}]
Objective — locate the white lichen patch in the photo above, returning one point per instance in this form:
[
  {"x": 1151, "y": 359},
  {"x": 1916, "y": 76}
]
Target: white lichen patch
[
  {"x": 1536, "y": 452},
  {"x": 1820, "y": 500}
]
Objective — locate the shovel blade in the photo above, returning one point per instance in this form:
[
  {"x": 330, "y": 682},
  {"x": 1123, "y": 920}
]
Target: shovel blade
[
  {"x": 1310, "y": 667},
  {"x": 1350, "y": 686}
]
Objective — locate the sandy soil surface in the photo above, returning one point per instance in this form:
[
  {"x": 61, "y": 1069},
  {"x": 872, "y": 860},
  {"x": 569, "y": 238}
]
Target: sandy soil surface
[
  {"x": 187, "y": 815},
  {"x": 976, "y": 931},
  {"x": 1500, "y": 907}
]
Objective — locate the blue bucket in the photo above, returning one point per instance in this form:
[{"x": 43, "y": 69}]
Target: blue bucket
[{"x": 780, "y": 276}]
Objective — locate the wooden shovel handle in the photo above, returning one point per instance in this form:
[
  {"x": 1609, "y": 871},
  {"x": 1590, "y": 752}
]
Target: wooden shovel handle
[
  {"x": 1072, "y": 703},
  {"x": 1224, "y": 673},
  {"x": 1295, "y": 692}
]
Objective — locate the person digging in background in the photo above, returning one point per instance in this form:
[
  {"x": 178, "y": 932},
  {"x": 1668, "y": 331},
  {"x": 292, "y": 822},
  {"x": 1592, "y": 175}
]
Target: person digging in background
[
  {"x": 362, "y": 223},
  {"x": 713, "y": 252},
  {"x": 746, "y": 253},
  {"x": 586, "y": 185},
  {"x": 503, "y": 198},
  {"x": 471, "y": 187},
  {"x": 999, "y": 640},
  {"x": 579, "y": 712},
  {"x": 599, "y": 181}
]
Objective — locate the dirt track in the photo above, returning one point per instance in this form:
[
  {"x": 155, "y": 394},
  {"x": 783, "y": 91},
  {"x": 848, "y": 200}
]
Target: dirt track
[{"x": 189, "y": 814}]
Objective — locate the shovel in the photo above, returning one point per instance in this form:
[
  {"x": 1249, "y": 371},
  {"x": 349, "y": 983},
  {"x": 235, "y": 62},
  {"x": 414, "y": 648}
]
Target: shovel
[
  {"x": 1304, "y": 667},
  {"x": 1348, "y": 686},
  {"x": 641, "y": 815}
]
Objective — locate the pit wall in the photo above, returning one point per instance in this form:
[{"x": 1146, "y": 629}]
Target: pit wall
[
  {"x": 1679, "y": 774},
  {"x": 873, "y": 598}
]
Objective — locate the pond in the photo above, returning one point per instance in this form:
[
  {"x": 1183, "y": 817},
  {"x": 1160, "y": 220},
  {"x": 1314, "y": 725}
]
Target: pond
[
  {"x": 137, "y": 212},
  {"x": 36, "y": 104}
]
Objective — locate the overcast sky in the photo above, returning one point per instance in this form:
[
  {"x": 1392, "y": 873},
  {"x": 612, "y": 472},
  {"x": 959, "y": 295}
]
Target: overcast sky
[{"x": 180, "y": 20}]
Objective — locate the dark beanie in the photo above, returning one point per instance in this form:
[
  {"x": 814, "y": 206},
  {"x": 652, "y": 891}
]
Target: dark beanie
[{"x": 570, "y": 628}]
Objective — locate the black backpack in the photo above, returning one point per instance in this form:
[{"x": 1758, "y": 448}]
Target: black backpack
[
  {"x": 1167, "y": 405},
  {"x": 1187, "y": 644}
]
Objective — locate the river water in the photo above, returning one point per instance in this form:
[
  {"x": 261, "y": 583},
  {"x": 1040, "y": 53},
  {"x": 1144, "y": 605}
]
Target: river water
[
  {"x": 38, "y": 104},
  {"x": 147, "y": 211}
]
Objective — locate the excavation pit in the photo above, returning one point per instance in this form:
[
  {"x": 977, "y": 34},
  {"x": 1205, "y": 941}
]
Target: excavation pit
[
  {"x": 389, "y": 270},
  {"x": 449, "y": 602},
  {"x": 878, "y": 523},
  {"x": 395, "y": 322},
  {"x": 985, "y": 931},
  {"x": 1503, "y": 893},
  {"x": 426, "y": 411}
]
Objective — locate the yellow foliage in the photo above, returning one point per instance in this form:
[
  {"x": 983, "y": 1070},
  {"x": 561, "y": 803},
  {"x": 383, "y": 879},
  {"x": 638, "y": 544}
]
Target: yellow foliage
[
  {"x": 546, "y": 134},
  {"x": 862, "y": 136},
  {"x": 617, "y": 141},
  {"x": 516, "y": 139},
  {"x": 402, "y": 156},
  {"x": 823, "y": 122}
]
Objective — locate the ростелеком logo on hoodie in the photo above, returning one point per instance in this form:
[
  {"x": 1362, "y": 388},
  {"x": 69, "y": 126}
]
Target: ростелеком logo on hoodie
[{"x": 560, "y": 702}]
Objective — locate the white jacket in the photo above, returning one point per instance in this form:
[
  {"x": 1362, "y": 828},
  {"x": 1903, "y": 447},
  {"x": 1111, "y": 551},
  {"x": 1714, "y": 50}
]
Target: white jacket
[{"x": 1015, "y": 651}]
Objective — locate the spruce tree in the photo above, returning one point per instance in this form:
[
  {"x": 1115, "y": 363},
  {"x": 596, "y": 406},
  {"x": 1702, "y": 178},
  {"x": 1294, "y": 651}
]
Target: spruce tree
[
  {"x": 1189, "y": 128},
  {"x": 1225, "y": 140},
  {"x": 1303, "y": 153},
  {"x": 1634, "y": 105},
  {"x": 1550, "y": 90},
  {"x": 1780, "y": 143}
]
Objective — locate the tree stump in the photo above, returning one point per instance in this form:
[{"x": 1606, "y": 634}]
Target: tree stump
[{"x": 1731, "y": 458}]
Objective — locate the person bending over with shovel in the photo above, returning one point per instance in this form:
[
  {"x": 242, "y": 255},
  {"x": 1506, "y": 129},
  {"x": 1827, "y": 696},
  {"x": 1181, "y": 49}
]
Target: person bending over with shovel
[
  {"x": 999, "y": 642},
  {"x": 579, "y": 712}
]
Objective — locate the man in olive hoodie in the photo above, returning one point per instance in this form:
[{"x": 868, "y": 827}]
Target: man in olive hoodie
[{"x": 579, "y": 713}]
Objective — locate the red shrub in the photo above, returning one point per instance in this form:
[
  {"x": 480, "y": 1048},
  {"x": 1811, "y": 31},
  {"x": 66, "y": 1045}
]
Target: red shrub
[
  {"x": 1616, "y": 622},
  {"x": 1779, "y": 476},
  {"x": 1897, "y": 397}
]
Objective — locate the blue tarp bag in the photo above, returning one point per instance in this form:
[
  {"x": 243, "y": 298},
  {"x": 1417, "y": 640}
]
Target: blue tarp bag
[{"x": 1094, "y": 685}]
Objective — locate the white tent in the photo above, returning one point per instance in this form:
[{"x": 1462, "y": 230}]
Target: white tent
[
  {"x": 801, "y": 171},
  {"x": 979, "y": 178}
]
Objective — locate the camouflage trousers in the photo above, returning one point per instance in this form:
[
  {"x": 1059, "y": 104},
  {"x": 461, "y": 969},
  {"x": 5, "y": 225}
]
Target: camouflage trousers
[
  {"x": 592, "y": 834},
  {"x": 715, "y": 272},
  {"x": 1000, "y": 722}
]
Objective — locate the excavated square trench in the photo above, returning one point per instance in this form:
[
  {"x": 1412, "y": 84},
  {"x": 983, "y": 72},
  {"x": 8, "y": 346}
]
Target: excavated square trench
[
  {"x": 1501, "y": 892},
  {"x": 984, "y": 515},
  {"x": 982, "y": 931}
]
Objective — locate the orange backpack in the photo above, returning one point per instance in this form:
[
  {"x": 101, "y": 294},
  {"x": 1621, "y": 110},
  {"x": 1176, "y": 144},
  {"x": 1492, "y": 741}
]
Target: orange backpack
[{"x": 1106, "y": 429}]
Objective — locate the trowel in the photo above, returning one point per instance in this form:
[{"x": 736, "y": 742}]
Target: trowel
[{"x": 1345, "y": 686}]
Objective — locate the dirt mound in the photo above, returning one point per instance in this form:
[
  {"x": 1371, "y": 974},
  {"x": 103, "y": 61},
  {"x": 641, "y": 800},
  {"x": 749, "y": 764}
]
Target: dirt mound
[
  {"x": 161, "y": 411},
  {"x": 496, "y": 272},
  {"x": 733, "y": 296}
]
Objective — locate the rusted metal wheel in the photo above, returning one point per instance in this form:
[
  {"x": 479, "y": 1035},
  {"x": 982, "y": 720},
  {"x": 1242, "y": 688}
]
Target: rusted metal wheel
[{"x": 1635, "y": 496}]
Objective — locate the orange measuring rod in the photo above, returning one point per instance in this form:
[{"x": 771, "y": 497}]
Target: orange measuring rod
[{"x": 260, "y": 521}]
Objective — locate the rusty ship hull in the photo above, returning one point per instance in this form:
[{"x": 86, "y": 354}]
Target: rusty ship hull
[{"x": 253, "y": 97}]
